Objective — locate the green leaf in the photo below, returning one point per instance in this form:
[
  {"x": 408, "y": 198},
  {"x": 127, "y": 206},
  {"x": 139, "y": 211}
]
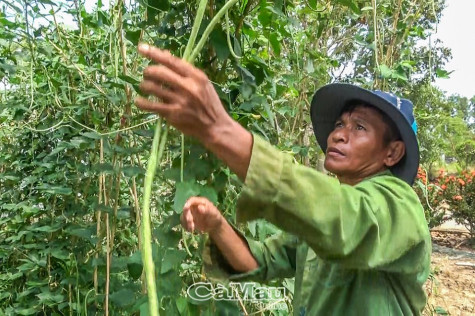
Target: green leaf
[
  {"x": 209, "y": 193},
  {"x": 441, "y": 73},
  {"x": 87, "y": 233},
  {"x": 26, "y": 311},
  {"x": 133, "y": 36},
  {"x": 55, "y": 189},
  {"x": 309, "y": 68},
  {"x": 312, "y": 4},
  {"x": 350, "y": 4},
  {"x": 133, "y": 171},
  {"x": 385, "y": 71},
  {"x": 247, "y": 76},
  {"x": 59, "y": 254},
  {"x": 124, "y": 213},
  {"x": 122, "y": 297},
  {"x": 275, "y": 43},
  {"x": 184, "y": 190},
  {"x": 5, "y": 295},
  {"x": 92, "y": 135},
  {"x": 49, "y": 2},
  {"x": 182, "y": 305},
  {"x": 103, "y": 208},
  {"x": 46, "y": 229},
  {"x": 135, "y": 265},
  {"x": 144, "y": 309},
  {"x": 248, "y": 106},
  {"x": 129, "y": 79},
  {"x": 105, "y": 168},
  {"x": 228, "y": 307},
  {"x": 269, "y": 113},
  {"x": 169, "y": 284},
  {"x": 145, "y": 132},
  {"x": 399, "y": 75},
  {"x": 265, "y": 17},
  {"x": 163, "y": 5},
  {"x": 440, "y": 311},
  {"x": 246, "y": 90},
  {"x": 172, "y": 259},
  {"x": 49, "y": 298},
  {"x": 166, "y": 235},
  {"x": 219, "y": 42}
]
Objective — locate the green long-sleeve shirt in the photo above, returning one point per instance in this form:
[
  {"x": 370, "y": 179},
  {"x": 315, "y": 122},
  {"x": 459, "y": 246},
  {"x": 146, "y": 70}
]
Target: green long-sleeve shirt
[{"x": 354, "y": 250}]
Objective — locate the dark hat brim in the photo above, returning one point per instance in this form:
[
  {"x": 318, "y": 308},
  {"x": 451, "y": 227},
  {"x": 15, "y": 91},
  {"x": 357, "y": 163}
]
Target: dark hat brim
[{"x": 327, "y": 104}]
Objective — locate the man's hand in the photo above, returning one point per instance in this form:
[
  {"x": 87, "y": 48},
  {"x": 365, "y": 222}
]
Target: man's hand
[
  {"x": 200, "y": 214},
  {"x": 188, "y": 101}
]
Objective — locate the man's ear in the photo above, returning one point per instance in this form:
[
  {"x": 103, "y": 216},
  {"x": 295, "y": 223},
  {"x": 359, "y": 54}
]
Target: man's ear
[{"x": 395, "y": 152}]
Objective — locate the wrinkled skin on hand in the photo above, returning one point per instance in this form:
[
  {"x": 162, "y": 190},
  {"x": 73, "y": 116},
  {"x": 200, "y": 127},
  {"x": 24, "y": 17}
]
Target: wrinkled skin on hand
[
  {"x": 185, "y": 96},
  {"x": 187, "y": 100}
]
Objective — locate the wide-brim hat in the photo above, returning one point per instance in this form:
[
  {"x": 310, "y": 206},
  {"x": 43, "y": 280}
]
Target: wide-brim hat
[{"x": 329, "y": 101}]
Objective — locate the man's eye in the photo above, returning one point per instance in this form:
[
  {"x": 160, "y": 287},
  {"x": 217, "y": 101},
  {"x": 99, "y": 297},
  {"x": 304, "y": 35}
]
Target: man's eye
[
  {"x": 360, "y": 127},
  {"x": 338, "y": 124}
]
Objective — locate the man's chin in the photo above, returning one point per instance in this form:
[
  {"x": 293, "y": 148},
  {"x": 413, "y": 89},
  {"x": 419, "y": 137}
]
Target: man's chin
[{"x": 330, "y": 167}]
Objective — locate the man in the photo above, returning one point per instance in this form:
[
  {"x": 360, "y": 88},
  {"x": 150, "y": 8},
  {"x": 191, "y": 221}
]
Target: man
[{"x": 358, "y": 244}]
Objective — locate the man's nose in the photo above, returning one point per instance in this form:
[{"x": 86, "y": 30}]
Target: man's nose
[{"x": 339, "y": 135}]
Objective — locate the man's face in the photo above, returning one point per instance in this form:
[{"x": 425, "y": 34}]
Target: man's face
[{"x": 356, "y": 148}]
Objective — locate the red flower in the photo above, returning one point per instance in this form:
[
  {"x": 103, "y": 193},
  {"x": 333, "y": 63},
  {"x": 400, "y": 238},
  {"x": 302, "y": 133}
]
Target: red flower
[
  {"x": 457, "y": 197},
  {"x": 462, "y": 183}
]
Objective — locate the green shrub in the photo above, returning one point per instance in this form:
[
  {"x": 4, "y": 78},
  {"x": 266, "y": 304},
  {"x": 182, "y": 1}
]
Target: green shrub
[{"x": 448, "y": 196}]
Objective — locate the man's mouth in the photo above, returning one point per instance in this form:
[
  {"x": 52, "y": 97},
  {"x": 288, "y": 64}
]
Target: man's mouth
[{"x": 333, "y": 151}]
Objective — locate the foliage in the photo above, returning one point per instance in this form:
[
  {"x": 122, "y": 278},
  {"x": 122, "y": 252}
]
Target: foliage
[
  {"x": 73, "y": 148},
  {"x": 429, "y": 193},
  {"x": 448, "y": 196},
  {"x": 445, "y": 128},
  {"x": 459, "y": 192}
]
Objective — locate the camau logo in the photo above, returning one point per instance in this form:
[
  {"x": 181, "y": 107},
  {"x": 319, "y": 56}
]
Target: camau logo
[{"x": 249, "y": 291}]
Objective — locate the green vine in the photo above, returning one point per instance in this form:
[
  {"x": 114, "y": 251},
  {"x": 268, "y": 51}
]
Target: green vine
[{"x": 157, "y": 152}]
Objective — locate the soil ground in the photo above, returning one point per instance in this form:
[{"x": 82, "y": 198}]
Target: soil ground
[{"x": 451, "y": 286}]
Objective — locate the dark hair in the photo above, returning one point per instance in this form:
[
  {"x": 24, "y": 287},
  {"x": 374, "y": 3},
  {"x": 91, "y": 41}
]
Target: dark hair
[{"x": 392, "y": 132}]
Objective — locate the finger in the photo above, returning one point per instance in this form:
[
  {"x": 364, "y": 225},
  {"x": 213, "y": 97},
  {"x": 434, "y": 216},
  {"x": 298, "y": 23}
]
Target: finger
[
  {"x": 194, "y": 200},
  {"x": 201, "y": 209},
  {"x": 151, "y": 88},
  {"x": 190, "y": 222},
  {"x": 187, "y": 220},
  {"x": 164, "y": 75},
  {"x": 164, "y": 57},
  {"x": 161, "y": 108}
]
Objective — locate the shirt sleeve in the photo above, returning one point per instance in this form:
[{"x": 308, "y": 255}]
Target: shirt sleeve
[
  {"x": 378, "y": 223},
  {"x": 276, "y": 258}
]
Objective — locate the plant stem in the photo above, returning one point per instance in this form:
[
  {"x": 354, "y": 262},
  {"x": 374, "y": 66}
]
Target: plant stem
[
  {"x": 230, "y": 46},
  {"x": 147, "y": 257},
  {"x": 210, "y": 28},
  {"x": 156, "y": 153},
  {"x": 196, "y": 27}
]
